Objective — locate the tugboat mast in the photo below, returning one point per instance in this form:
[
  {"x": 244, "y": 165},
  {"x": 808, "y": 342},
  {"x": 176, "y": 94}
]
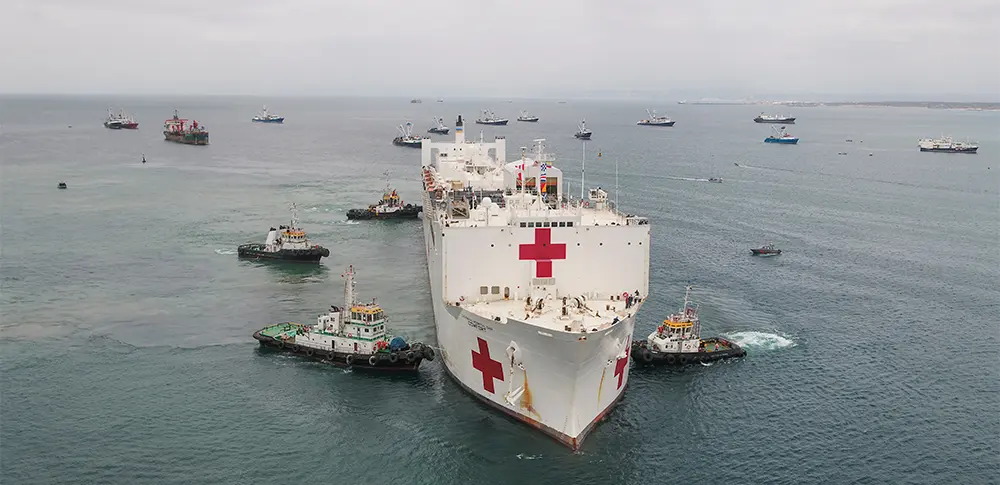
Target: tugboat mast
[
  {"x": 295, "y": 217},
  {"x": 349, "y": 289}
]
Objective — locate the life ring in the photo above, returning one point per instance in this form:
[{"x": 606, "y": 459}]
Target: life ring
[
  {"x": 671, "y": 359},
  {"x": 646, "y": 355},
  {"x": 309, "y": 352},
  {"x": 393, "y": 358},
  {"x": 682, "y": 360},
  {"x": 410, "y": 357},
  {"x": 372, "y": 360},
  {"x": 349, "y": 359}
]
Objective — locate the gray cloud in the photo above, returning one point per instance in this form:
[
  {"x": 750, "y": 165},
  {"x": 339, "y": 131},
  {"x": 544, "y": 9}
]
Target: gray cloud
[{"x": 501, "y": 48}]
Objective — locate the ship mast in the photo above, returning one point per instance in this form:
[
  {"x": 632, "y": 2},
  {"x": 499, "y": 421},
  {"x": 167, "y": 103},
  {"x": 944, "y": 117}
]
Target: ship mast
[
  {"x": 349, "y": 289},
  {"x": 295, "y": 217}
]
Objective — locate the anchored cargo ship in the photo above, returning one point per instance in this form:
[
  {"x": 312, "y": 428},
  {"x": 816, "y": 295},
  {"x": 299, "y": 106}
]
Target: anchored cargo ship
[
  {"x": 526, "y": 284},
  {"x": 947, "y": 145},
  {"x": 177, "y": 130},
  {"x": 763, "y": 118}
]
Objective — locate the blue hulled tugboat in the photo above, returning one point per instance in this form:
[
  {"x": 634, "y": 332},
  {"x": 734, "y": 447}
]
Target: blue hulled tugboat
[
  {"x": 677, "y": 341},
  {"x": 286, "y": 243},
  {"x": 782, "y": 137},
  {"x": 350, "y": 336}
]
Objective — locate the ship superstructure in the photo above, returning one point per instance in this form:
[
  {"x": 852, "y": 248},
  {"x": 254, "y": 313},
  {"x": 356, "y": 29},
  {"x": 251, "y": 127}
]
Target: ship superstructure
[{"x": 529, "y": 285}]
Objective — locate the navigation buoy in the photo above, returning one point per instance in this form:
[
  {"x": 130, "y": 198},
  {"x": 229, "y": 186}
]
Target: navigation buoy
[{"x": 143, "y": 158}]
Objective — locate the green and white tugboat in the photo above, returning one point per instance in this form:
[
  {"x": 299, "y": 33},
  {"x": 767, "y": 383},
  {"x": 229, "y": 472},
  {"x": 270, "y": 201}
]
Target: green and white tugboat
[{"x": 352, "y": 336}]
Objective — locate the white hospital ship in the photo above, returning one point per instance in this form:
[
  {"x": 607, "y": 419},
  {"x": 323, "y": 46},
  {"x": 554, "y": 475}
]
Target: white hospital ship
[{"x": 534, "y": 293}]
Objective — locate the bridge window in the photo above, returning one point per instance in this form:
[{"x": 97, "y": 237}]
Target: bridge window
[
  {"x": 524, "y": 224},
  {"x": 562, "y": 223},
  {"x": 545, "y": 224},
  {"x": 531, "y": 224},
  {"x": 569, "y": 224},
  {"x": 495, "y": 290},
  {"x": 483, "y": 290}
]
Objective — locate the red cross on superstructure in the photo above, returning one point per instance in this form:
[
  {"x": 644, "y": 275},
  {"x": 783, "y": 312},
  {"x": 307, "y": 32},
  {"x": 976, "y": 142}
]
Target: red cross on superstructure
[
  {"x": 620, "y": 366},
  {"x": 490, "y": 368},
  {"x": 542, "y": 252}
]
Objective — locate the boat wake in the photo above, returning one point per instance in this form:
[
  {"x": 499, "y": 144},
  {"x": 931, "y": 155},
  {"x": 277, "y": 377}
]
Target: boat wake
[
  {"x": 688, "y": 179},
  {"x": 343, "y": 221},
  {"x": 761, "y": 340},
  {"x": 227, "y": 252}
]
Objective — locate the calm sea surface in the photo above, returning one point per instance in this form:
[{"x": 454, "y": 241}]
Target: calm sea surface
[{"x": 125, "y": 335}]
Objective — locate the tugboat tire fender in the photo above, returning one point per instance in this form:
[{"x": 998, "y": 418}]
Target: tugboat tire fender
[
  {"x": 393, "y": 357},
  {"x": 349, "y": 359},
  {"x": 281, "y": 345},
  {"x": 646, "y": 355},
  {"x": 410, "y": 357},
  {"x": 296, "y": 348},
  {"x": 429, "y": 353},
  {"x": 682, "y": 360},
  {"x": 310, "y": 352},
  {"x": 671, "y": 359},
  {"x": 373, "y": 360}
]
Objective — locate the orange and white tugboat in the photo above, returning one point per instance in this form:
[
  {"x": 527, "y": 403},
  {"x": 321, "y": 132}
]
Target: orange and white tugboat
[
  {"x": 286, "y": 243},
  {"x": 677, "y": 341},
  {"x": 350, "y": 336}
]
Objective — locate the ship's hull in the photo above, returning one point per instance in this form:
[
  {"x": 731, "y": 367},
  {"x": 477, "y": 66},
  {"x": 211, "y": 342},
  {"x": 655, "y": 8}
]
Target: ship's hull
[
  {"x": 500, "y": 122},
  {"x": 583, "y": 136},
  {"x": 950, "y": 150},
  {"x": 374, "y": 362},
  {"x": 257, "y": 252},
  {"x": 130, "y": 126},
  {"x": 271, "y": 120},
  {"x": 438, "y": 131},
  {"x": 656, "y": 123},
  {"x": 787, "y": 121},
  {"x": 112, "y": 125},
  {"x": 529, "y": 120},
  {"x": 642, "y": 354},
  {"x": 187, "y": 138},
  {"x": 410, "y": 212},
  {"x": 405, "y": 143},
  {"x": 562, "y": 384},
  {"x": 765, "y": 252},
  {"x": 782, "y": 141}
]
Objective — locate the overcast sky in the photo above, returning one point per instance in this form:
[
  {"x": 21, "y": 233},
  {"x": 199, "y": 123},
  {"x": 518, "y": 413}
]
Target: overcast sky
[{"x": 508, "y": 48}]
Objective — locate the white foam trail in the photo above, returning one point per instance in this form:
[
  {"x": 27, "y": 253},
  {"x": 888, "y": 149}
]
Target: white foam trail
[
  {"x": 761, "y": 340},
  {"x": 228, "y": 252},
  {"x": 344, "y": 221}
]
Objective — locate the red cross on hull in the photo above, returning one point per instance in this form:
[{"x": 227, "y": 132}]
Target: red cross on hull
[
  {"x": 621, "y": 364},
  {"x": 542, "y": 252},
  {"x": 490, "y": 368}
]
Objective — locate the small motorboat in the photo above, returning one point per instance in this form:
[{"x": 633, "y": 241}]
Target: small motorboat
[
  {"x": 765, "y": 250},
  {"x": 715, "y": 180},
  {"x": 62, "y": 185}
]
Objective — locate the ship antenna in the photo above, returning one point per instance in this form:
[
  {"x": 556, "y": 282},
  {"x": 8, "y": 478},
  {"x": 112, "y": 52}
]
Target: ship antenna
[
  {"x": 349, "y": 288},
  {"x": 295, "y": 218}
]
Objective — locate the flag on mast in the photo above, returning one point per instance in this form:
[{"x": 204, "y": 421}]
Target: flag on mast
[{"x": 541, "y": 179}]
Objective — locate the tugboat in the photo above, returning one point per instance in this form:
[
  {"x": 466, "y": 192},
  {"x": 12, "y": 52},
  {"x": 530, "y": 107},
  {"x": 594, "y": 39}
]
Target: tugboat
[
  {"x": 265, "y": 117},
  {"x": 175, "y": 131},
  {"x": 120, "y": 121},
  {"x": 782, "y": 137},
  {"x": 353, "y": 336},
  {"x": 655, "y": 120},
  {"x": 290, "y": 244},
  {"x": 527, "y": 117},
  {"x": 390, "y": 207},
  {"x": 62, "y": 185},
  {"x": 765, "y": 250},
  {"x": 440, "y": 128},
  {"x": 947, "y": 145},
  {"x": 582, "y": 132},
  {"x": 406, "y": 137},
  {"x": 677, "y": 341},
  {"x": 490, "y": 118},
  {"x": 763, "y": 118}
]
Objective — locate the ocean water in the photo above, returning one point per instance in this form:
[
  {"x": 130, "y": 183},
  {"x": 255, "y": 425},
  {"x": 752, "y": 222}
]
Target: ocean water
[{"x": 125, "y": 334}]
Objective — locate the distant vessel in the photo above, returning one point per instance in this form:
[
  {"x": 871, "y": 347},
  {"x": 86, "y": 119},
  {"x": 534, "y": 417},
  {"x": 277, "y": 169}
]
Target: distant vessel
[
  {"x": 120, "y": 121},
  {"x": 415, "y": 101},
  {"x": 655, "y": 120},
  {"x": 582, "y": 132},
  {"x": 62, "y": 185},
  {"x": 715, "y": 180},
  {"x": 265, "y": 117},
  {"x": 390, "y": 207},
  {"x": 765, "y": 250},
  {"x": 763, "y": 118},
  {"x": 490, "y": 118},
  {"x": 440, "y": 128},
  {"x": 947, "y": 145},
  {"x": 406, "y": 137},
  {"x": 175, "y": 130},
  {"x": 527, "y": 117},
  {"x": 286, "y": 243},
  {"x": 678, "y": 342},
  {"x": 782, "y": 137},
  {"x": 350, "y": 336}
]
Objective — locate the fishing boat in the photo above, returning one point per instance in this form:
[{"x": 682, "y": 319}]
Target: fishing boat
[
  {"x": 763, "y": 118},
  {"x": 715, "y": 180},
  {"x": 490, "y": 118},
  {"x": 265, "y": 117},
  {"x": 782, "y": 137},
  {"x": 527, "y": 117},
  {"x": 765, "y": 250},
  {"x": 415, "y": 101},
  {"x": 391, "y": 206},
  {"x": 286, "y": 243},
  {"x": 582, "y": 132},
  {"x": 655, "y": 120},
  {"x": 177, "y": 130},
  {"x": 439, "y": 127},
  {"x": 120, "y": 121},
  {"x": 406, "y": 137},
  {"x": 62, "y": 185},
  {"x": 945, "y": 144},
  {"x": 353, "y": 335},
  {"x": 677, "y": 341}
]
